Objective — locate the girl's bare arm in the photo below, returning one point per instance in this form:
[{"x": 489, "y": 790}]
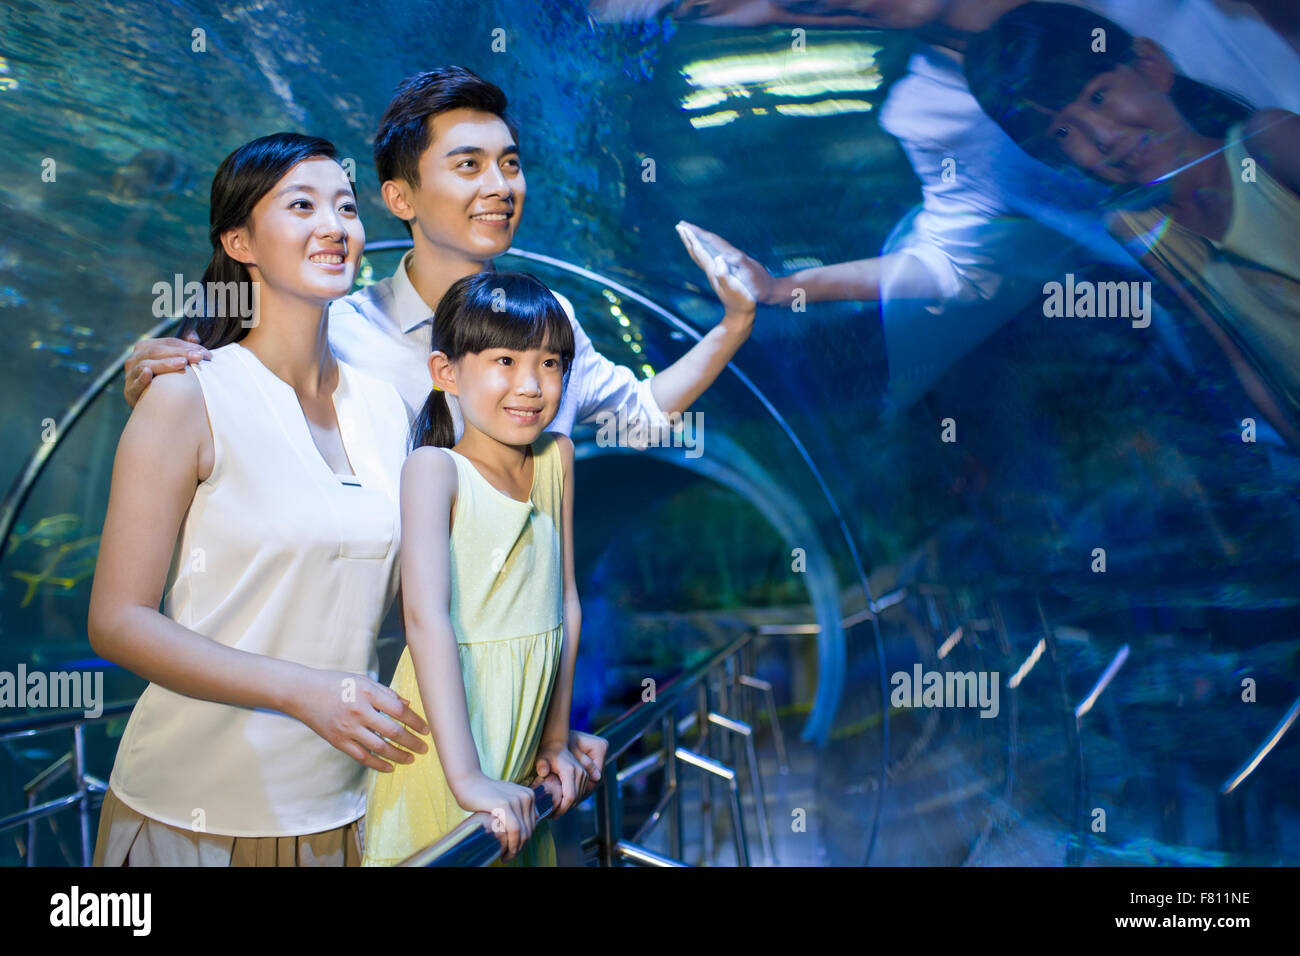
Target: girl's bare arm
[
  {"x": 428, "y": 489},
  {"x": 556, "y": 728}
]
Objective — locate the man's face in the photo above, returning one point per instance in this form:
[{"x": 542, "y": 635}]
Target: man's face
[{"x": 471, "y": 192}]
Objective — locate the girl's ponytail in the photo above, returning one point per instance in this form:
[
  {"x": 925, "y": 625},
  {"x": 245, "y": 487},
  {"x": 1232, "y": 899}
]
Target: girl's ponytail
[
  {"x": 1208, "y": 109},
  {"x": 434, "y": 425}
]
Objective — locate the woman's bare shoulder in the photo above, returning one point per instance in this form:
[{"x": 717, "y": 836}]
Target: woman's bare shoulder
[{"x": 173, "y": 413}]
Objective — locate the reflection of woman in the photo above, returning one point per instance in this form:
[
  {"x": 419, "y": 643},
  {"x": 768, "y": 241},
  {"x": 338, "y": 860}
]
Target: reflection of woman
[
  {"x": 271, "y": 473},
  {"x": 1223, "y": 231}
]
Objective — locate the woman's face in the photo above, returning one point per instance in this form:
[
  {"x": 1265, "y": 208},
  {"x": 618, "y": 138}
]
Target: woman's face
[
  {"x": 1122, "y": 127},
  {"x": 304, "y": 237}
]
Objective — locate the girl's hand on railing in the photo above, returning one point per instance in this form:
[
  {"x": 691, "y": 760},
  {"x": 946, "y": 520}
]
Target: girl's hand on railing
[
  {"x": 554, "y": 758},
  {"x": 511, "y": 806},
  {"x": 359, "y": 717},
  {"x": 589, "y": 750}
]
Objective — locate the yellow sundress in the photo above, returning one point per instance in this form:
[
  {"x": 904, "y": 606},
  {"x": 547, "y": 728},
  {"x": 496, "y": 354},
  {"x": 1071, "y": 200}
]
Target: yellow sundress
[{"x": 507, "y": 610}]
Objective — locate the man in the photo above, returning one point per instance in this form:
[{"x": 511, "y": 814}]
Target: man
[{"x": 450, "y": 169}]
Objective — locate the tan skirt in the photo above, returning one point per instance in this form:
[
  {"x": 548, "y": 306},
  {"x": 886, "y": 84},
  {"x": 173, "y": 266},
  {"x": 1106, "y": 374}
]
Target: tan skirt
[{"x": 128, "y": 838}]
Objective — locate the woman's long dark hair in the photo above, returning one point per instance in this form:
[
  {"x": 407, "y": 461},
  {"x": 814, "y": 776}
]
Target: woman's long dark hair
[
  {"x": 1040, "y": 56},
  {"x": 490, "y": 310},
  {"x": 243, "y": 178}
]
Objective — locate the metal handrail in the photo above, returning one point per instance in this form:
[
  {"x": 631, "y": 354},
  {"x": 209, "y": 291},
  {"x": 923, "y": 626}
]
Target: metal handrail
[
  {"x": 28, "y": 725},
  {"x": 626, "y": 729},
  {"x": 471, "y": 844},
  {"x": 87, "y": 789}
]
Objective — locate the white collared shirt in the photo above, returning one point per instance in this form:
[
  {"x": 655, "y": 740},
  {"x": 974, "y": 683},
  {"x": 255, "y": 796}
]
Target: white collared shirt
[{"x": 386, "y": 329}]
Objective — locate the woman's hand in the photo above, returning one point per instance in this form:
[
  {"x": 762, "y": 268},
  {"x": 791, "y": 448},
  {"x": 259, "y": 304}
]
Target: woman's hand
[
  {"x": 358, "y": 716},
  {"x": 553, "y": 757},
  {"x": 511, "y": 806},
  {"x": 738, "y": 280}
]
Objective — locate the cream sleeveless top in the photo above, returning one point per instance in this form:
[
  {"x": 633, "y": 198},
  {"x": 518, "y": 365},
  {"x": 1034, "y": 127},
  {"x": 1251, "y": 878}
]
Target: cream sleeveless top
[
  {"x": 279, "y": 556},
  {"x": 1249, "y": 281},
  {"x": 1265, "y": 224},
  {"x": 507, "y": 571}
]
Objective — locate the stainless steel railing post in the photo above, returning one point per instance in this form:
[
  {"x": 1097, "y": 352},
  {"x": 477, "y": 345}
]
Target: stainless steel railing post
[
  {"x": 712, "y": 768},
  {"x": 79, "y": 778},
  {"x": 704, "y": 745},
  {"x": 672, "y": 785},
  {"x": 609, "y": 815},
  {"x": 744, "y": 730}
]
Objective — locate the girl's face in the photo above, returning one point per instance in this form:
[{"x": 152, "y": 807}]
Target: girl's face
[
  {"x": 508, "y": 394},
  {"x": 304, "y": 237},
  {"x": 1122, "y": 127}
]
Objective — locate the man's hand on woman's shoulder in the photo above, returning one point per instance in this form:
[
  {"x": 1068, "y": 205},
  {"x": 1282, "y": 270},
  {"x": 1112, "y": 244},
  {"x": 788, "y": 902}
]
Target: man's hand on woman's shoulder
[{"x": 152, "y": 357}]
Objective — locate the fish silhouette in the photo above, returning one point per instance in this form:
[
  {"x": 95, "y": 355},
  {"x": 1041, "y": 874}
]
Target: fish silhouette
[
  {"x": 152, "y": 174},
  {"x": 48, "y": 531},
  {"x": 68, "y": 566}
]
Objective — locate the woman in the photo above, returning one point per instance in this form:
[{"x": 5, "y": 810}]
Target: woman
[{"x": 256, "y": 497}]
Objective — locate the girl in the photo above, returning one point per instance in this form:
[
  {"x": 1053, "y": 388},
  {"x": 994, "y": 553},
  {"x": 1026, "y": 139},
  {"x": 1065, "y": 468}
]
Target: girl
[
  {"x": 1212, "y": 206},
  {"x": 491, "y": 609},
  {"x": 257, "y": 498}
]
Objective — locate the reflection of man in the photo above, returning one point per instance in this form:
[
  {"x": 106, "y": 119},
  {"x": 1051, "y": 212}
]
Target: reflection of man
[{"x": 991, "y": 227}]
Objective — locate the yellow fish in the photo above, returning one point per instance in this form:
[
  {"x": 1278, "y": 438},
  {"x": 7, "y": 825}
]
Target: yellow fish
[
  {"x": 47, "y": 531},
  {"x": 75, "y": 562}
]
